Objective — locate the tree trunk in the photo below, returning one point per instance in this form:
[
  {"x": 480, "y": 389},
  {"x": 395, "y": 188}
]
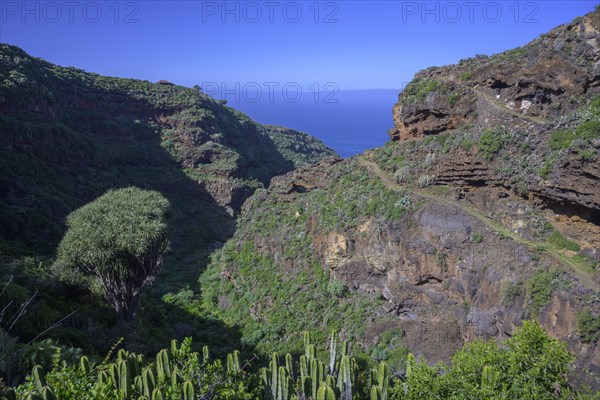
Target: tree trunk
[{"x": 133, "y": 308}]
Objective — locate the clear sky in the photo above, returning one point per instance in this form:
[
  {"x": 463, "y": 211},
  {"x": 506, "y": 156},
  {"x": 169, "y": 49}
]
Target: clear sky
[{"x": 355, "y": 44}]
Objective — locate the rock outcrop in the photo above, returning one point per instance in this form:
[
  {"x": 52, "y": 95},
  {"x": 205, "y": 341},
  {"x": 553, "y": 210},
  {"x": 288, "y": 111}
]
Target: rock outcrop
[
  {"x": 531, "y": 96},
  {"x": 540, "y": 79}
]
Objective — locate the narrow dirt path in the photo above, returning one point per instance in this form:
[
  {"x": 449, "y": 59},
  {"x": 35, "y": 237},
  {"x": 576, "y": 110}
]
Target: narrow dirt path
[
  {"x": 585, "y": 278},
  {"x": 499, "y": 106}
]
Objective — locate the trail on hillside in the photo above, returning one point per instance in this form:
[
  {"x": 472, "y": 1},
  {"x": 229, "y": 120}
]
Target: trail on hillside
[
  {"x": 501, "y": 107},
  {"x": 586, "y": 279}
]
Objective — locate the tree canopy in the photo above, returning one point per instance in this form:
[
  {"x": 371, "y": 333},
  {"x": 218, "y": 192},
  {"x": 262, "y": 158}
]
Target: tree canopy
[{"x": 120, "y": 238}]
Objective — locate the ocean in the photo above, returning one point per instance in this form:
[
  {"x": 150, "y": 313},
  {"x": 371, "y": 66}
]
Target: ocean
[{"x": 358, "y": 121}]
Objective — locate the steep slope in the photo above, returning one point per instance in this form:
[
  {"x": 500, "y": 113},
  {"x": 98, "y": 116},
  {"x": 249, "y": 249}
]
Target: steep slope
[
  {"x": 66, "y": 133},
  {"x": 67, "y": 136},
  {"x": 527, "y": 95},
  {"x": 476, "y": 216}
]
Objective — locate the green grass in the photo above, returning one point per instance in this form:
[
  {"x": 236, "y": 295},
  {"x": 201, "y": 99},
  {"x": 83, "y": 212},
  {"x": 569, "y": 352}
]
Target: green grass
[{"x": 558, "y": 240}]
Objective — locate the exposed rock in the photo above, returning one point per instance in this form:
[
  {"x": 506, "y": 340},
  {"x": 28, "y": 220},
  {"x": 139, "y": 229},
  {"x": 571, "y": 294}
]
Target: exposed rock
[
  {"x": 538, "y": 79},
  {"x": 577, "y": 183},
  {"x": 304, "y": 179},
  {"x": 520, "y": 92}
]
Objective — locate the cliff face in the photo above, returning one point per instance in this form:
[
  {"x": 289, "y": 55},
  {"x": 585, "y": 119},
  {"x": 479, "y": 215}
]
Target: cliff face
[
  {"x": 525, "y": 91},
  {"x": 541, "y": 80},
  {"x": 482, "y": 212}
]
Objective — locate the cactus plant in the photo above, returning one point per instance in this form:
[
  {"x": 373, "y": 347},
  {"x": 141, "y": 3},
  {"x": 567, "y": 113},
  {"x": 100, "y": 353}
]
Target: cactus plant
[
  {"x": 332, "y": 355},
  {"x": 205, "y": 354},
  {"x": 122, "y": 354},
  {"x": 125, "y": 379},
  {"x": 325, "y": 393},
  {"x": 47, "y": 394},
  {"x": 289, "y": 365},
  {"x": 174, "y": 347},
  {"x": 189, "y": 392},
  {"x": 380, "y": 378},
  {"x": 233, "y": 363},
  {"x": 306, "y": 387},
  {"x": 163, "y": 365},
  {"x": 375, "y": 393},
  {"x": 277, "y": 380},
  {"x": 344, "y": 348},
  {"x": 303, "y": 365},
  {"x": 307, "y": 344},
  {"x": 84, "y": 365},
  {"x": 315, "y": 377},
  {"x": 148, "y": 382},
  {"x": 41, "y": 387},
  {"x": 157, "y": 394},
  {"x": 283, "y": 384},
  {"x": 102, "y": 378},
  {"x": 347, "y": 368}
]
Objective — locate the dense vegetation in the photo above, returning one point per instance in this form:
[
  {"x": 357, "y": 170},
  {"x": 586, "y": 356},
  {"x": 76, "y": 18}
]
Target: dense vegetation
[
  {"x": 270, "y": 296},
  {"x": 69, "y": 136},
  {"x": 529, "y": 365}
]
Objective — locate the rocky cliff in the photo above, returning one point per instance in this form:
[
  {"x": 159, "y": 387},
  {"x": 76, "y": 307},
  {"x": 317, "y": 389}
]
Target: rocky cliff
[
  {"x": 530, "y": 94},
  {"x": 480, "y": 213}
]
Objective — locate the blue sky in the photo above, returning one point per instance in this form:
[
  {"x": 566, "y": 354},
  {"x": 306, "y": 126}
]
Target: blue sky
[{"x": 355, "y": 44}]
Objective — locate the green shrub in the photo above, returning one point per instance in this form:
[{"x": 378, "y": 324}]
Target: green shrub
[
  {"x": 540, "y": 287},
  {"x": 426, "y": 180},
  {"x": 588, "y": 154},
  {"x": 419, "y": 88},
  {"x": 529, "y": 365},
  {"x": 547, "y": 167},
  {"x": 466, "y": 76},
  {"x": 588, "y": 326},
  {"x": 490, "y": 142},
  {"x": 453, "y": 98},
  {"x": 511, "y": 292},
  {"x": 466, "y": 143},
  {"x": 476, "y": 237},
  {"x": 336, "y": 288},
  {"x": 563, "y": 139}
]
